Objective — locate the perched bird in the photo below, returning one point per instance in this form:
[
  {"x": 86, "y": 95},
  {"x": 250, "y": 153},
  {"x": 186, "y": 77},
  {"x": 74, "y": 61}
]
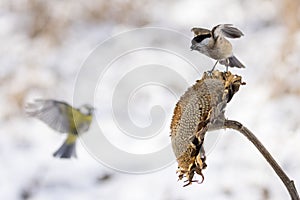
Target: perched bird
[
  {"x": 214, "y": 44},
  {"x": 63, "y": 118}
]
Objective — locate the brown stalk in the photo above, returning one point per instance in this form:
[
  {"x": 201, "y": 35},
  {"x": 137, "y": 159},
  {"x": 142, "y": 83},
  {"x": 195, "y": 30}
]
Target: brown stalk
[{"x": 289, "y": 184}]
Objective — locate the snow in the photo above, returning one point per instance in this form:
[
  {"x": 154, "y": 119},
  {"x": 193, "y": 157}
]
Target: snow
[{"x": 101, "y": 53}]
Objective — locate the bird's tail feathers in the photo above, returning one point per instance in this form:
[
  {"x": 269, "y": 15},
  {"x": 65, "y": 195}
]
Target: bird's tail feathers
[
  {"x": 232, "y": 62},
  {"x": 67, "y": 150}
]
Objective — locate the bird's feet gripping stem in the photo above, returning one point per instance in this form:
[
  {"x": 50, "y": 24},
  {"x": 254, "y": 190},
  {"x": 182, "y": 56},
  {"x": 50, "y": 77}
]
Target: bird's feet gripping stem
[{"x": 210, "y": 71}]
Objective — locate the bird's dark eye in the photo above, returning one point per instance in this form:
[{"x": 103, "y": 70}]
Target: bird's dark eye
[{"x": 200, "y": 38}]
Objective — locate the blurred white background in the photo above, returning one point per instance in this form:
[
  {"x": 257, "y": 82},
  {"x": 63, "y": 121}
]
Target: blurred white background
[{"x": 43, "y": 45}]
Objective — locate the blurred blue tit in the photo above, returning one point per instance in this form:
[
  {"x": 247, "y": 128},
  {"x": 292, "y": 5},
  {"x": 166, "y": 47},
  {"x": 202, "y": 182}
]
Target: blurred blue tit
[{"x": 63, "y": 118}]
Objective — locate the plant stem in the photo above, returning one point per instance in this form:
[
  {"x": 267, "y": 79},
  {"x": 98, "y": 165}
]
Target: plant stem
[{"x": 289, "y": 184}]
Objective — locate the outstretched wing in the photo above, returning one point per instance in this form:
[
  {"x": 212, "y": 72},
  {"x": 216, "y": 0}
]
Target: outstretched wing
[
  {"x": 53, "y": 113},
  {"x": 226, "y": 30},
  {"x": 200, "y": 31}
]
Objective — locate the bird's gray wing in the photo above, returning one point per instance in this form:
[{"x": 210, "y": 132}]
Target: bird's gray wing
[
  {"x": 83, "y": 127},
  {"x": 53, "y": 113},
  {"x": 199, "y": 31},
  {"x": 226, "y": 30}
]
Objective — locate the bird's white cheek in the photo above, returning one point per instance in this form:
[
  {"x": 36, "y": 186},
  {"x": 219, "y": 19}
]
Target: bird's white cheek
[{"x": 205, "y": 42}]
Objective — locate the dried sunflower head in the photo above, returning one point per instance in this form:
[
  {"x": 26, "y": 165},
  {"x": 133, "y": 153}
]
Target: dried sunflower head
[{"x": 199, "y": 109}]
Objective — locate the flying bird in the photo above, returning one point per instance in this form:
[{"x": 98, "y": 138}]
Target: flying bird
[{"x": 63, "y": 118}]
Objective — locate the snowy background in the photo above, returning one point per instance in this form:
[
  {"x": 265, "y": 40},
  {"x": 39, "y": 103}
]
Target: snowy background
[{"x": 43, "y": 47}]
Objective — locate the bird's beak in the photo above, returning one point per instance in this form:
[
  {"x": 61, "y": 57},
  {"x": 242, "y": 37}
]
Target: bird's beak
[{"x": 192, "y": 47}]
